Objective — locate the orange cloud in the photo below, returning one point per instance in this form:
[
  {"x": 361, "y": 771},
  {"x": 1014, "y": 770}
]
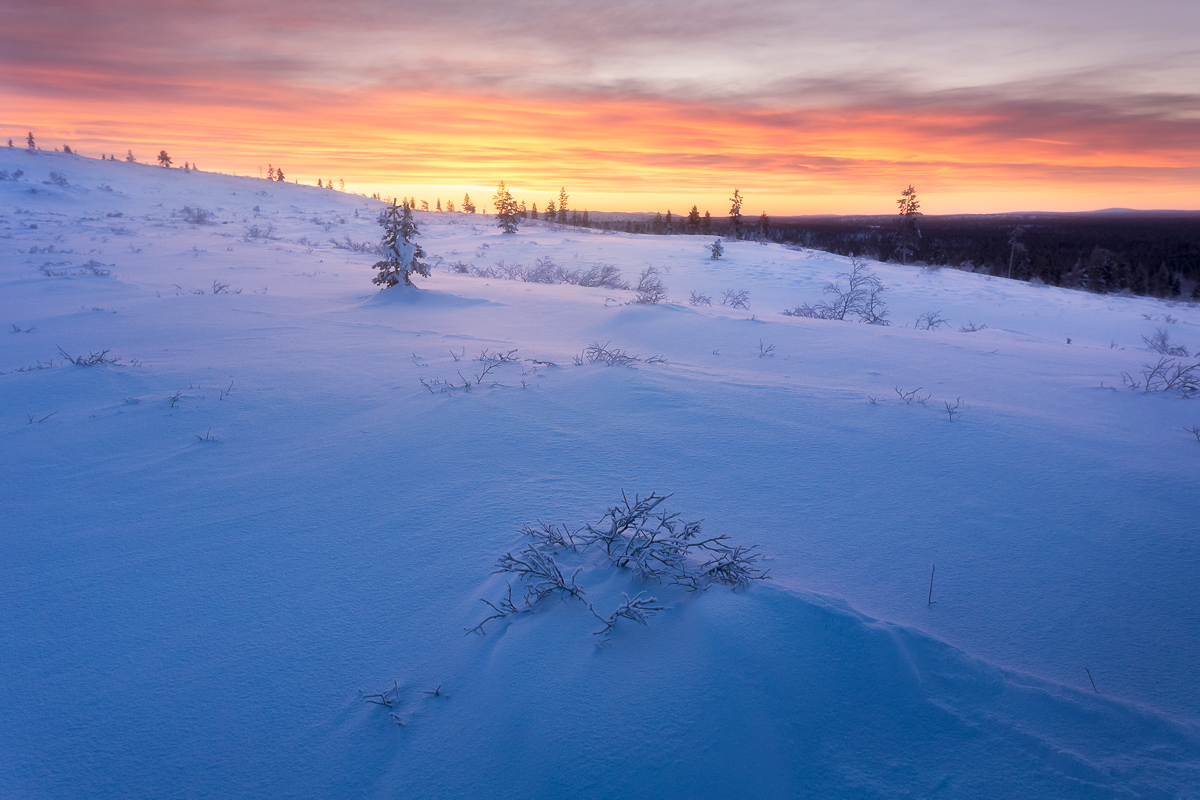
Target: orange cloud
[{"x": 636, "y": 152}]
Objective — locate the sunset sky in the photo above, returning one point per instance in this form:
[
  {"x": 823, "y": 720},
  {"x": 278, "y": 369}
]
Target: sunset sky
[{"x": 807, "y": 107}]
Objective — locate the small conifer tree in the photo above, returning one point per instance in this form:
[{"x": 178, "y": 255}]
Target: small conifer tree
[
  {"x": 130, "y": 157},
  {"x": 693, "y": 220},
  {"x": 533, "y": 212},
  {"x": 562, "y": 204},
  {"x": 29, "y": 143},
  {"x": 439, "y": 204},
  {"x": 164, "y": 159},
  {"x": 449, "y": 205},
  {"x": 67, "y": 149},
  {"x": 735, "y": 214},
  {"x": 908, "y": 235},
  {"x": 279, "y": 175},
  {"x": 550, "y": 212},
  {"x": 402, "y": 254},
  {"x": 467, "y": 206},
  {"x": 716, "y": 250},
  {"x": 507, "y": 214},
  {"x": 706, "y": 224}
]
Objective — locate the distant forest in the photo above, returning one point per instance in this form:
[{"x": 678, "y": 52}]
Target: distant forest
[{"x": 1147, "y": 253}]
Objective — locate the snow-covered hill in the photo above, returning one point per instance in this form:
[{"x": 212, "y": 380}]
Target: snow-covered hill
[{"x": 268, "y": 497}]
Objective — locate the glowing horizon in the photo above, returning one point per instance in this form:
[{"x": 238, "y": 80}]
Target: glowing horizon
[{"x": 628, "y": 112}]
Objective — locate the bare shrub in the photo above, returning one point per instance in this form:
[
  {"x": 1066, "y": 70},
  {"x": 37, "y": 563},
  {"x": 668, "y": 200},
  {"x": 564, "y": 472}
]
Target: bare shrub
[
  {"x": 862, "y": 296},
  {"x": 638, "y": 608},
  {"x": 735, "y": 298},
  {"x": 597, "y": 353},
  {"x": 259, "y": 232},
  {"x": 91, "y": 359},
  {"x": 971, "y": 327},
  {"x": 57, "y": 179},
  {"x": 930, "y": 321},
  {"x": 1160, "y": 343},
  {"x": 346, "y": 243},
  {"x": 196, "y": 216},
  {"x": 1168, "y": 374},
  {"x": 699, "y": 299}
]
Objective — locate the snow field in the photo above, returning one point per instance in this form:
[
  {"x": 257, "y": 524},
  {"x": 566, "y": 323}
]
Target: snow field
[{"x": 195, "y": 618}]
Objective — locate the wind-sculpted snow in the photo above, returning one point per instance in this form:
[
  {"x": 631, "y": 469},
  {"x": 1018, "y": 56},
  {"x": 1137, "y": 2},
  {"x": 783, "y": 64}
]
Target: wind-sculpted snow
[{"x": 243, "y": 490}]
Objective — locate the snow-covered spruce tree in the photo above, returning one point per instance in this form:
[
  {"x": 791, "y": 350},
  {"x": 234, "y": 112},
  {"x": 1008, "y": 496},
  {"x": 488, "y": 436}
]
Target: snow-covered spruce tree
[
  {"x": 467, "y": 206},
  {"x": 402, "y": 254},
  {"x": 30, "y": 145},
  {"x": 716, "y": 250},
  {"x": 130, "y": 157},
  {"x": 562, "y": 205},
  {"x": 164, "y": 159},
  {"x": 507, "y": 212}
]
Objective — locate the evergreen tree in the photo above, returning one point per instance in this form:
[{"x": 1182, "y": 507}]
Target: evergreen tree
[
  {"x": 424, "y": 205},
  {"x": 587, "y": 223},
  {"x": 657, "y": 225},
  {"x": 467, "y": 206},
  {"x": 735, "y": 214},
  {"x": 164, "y": 159},
  {"x": 716, "y": 250},
  {"x": 550, "y": 213},
  {"x": 67, "y": 149},
  {"x": 670, "y": 223},
  {"x": 10, "y": 144},
  {"x": 449, "y": 205},
  {"x": 575, "y": 219},
  {"x": 402, "y": 254},
  {"x": 908, "y": 235},
  {"x": 1196, "y": 291},
  {"x": 439, "y": 204},
  {"x": 279, "y": 175},
  {"x": 524, "y": 212},
  {"x": 270, "y": 172},
  {"x": 562, "y": 204},
  {"x": 533, "y": 214},
  {"x": 506, "y": 209},
  {"x": 693, "y": 220},
  {"x": 706, "y": 224},
  {"x": 129, "y": 157},
  {"x": 764, "y": 225},
  {"x": 319, "y": 184},
  {"x": 29, "y": 143}
]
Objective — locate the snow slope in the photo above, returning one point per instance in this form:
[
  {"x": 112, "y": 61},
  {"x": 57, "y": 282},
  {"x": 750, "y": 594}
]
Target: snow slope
[{"x": 188, "y": 618}]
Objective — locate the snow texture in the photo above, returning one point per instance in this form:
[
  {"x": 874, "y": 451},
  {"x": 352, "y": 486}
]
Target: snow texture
[{"x": 279, "y": 490}]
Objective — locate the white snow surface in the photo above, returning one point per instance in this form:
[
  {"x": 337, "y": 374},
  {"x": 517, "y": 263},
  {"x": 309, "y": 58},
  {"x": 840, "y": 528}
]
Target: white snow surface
[{"x": 186, "y": 618}]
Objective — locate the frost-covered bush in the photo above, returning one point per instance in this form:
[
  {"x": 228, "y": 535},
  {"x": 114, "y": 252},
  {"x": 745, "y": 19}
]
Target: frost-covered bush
[
  {"x": 650, "y": 288},
  {"x": 634, "y": 535},
  {"x": 716, "y": 250},
  {"x": 57, "y": 179}
]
